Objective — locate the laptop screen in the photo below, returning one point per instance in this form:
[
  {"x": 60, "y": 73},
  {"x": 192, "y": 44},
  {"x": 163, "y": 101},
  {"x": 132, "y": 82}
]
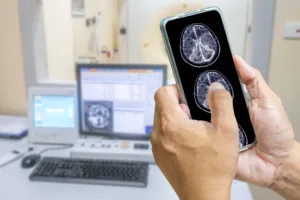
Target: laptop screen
[{"x": 119, "y": 100}]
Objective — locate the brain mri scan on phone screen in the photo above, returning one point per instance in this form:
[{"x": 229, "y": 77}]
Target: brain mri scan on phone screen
[{"x": 199, "y": 45}]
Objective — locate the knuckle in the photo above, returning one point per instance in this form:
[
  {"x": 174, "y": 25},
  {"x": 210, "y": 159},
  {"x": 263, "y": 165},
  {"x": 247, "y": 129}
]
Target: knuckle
[
  {"x": 154, "y": 144},
  {"x": 258, "y": 73},
  {"x": 167, "y": 127},
  {"x": 153, "y": 138},
  {"x": 162, "y": 92},
  {"x": 229, "y": 128},
  {"x": 158, "y": 93}
]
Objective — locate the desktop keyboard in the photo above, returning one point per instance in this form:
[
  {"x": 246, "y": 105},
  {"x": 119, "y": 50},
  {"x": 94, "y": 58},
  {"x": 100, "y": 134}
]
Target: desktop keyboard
[{"x": 88, "y": 171}]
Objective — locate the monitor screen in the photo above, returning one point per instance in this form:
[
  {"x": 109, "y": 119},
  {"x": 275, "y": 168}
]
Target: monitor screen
[
  {"x": 119, "y": 100},
  {"x": 54, "y": 111}
]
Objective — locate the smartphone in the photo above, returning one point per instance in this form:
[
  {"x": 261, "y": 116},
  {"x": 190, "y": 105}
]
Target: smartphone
[{"x": 200, "y": 54}]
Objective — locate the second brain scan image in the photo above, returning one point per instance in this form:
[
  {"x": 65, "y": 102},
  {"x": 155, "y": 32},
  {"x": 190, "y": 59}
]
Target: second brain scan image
[
  {"x": 202, "y": 55},
  {"x": 202, "y": 84}
]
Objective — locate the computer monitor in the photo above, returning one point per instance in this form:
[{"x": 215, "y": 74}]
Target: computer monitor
[
  {"x": 53, "y": 115},
  {"x": 118, "y": 100}
]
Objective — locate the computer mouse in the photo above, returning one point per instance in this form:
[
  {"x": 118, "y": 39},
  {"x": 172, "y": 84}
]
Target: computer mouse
[{"x": 30, "y": 161}]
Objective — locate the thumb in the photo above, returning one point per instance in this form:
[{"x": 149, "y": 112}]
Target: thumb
[
  {"x": 253, "y": 79},
  {"x": 221, "y": 106}
]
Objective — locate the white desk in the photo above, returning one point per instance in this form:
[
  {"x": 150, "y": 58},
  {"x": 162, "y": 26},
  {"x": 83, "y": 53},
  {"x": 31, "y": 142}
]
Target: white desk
[{"x": 15, "y": 185}]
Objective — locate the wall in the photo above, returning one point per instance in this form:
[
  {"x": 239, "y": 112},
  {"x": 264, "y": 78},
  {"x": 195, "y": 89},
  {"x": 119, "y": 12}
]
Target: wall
[
  {"x": 12, "y": 88},
  {"x": 59, "y": 39},
  {"x": 144, "y": 36},
  {"x": 249, "y": 37},
  {"x": 285, "y": 62},
  {"x": 284, "y": 72},
  {"x": 67, "y": 37},
  {"x": 108, "y": 26}
]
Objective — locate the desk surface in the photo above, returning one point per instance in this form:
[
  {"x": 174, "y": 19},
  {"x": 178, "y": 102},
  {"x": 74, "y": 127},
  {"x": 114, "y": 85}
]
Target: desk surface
[{"x": 15, "y": 185}]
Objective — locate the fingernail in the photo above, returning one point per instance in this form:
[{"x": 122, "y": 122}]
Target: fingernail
[{"x": 216, "y": 86}]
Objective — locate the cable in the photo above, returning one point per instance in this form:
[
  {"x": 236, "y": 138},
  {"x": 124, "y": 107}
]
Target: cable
[
  {"x": 14, "y": 156},
  {"x": 55, "y": 149},
  {"x": 18, "y": 155}
]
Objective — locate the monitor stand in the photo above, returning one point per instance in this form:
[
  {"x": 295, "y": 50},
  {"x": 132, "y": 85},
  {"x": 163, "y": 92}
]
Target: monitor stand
[{"x": 99, "y": 148}]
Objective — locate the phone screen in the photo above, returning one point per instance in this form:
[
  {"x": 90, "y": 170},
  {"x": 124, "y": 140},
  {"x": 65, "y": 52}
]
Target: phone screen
[{"x": 202, "y": 55}]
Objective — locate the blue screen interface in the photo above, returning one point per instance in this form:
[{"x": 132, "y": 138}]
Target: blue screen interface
[{"x": 54, "y": 111}]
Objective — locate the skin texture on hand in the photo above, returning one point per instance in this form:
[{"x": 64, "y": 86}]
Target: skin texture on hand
[
  {"x": 276, "y": 145},
  {"x": 287, "y": 178},
  {"x": 198, "y": 158}
]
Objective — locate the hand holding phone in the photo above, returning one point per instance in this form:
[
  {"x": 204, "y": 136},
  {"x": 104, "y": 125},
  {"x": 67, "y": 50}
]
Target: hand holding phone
[{"x": 197, "y": 157}]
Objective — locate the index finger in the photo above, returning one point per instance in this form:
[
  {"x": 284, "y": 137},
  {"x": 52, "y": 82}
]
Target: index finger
[{"x": 168, "y": 99}]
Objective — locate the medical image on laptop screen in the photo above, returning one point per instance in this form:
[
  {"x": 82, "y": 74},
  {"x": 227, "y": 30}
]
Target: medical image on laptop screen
[
  {"x": 98, "y": 115},
  {"x": 118, "y": 100}
]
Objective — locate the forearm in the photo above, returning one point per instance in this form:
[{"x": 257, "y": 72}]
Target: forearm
[
  {"x": 287, "y": 182},
  {"x": 208, "y": 191}
]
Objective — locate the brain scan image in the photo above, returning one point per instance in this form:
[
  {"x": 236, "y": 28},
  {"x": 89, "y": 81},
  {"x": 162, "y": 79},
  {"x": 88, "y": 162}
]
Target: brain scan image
[
  {"x": 98, "y": 115},
  {"x": 243, "y": 137},
  {"x": 202, "y": 84},
  {"x": 199, "y": 45}
]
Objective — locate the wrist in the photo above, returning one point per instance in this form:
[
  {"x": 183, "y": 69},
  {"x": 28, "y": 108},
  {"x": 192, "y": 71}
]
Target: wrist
[
  {"x": 287, "y": 177},
  {"x": 207, "y": 190}
]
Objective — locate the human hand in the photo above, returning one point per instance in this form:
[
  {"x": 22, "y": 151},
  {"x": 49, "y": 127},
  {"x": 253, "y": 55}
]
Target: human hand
[
  {"x": 274, "y": 133},
  {"x": 198, "y": 158}
]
